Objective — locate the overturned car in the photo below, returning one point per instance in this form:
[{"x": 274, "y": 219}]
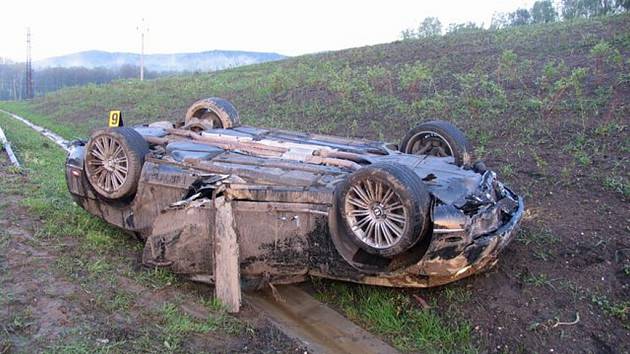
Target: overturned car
[{"x": 416, "y": 215}]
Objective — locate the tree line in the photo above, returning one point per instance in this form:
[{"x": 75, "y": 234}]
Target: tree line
[
  {"x": 12, "y": 77},
  {"x": 542, "y": 11}
]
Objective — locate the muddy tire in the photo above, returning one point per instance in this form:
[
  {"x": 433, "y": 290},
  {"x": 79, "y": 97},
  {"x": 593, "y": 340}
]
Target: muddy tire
[
  {"x": 438, "y": 138},
  {"x": 383, "y": 209},
  {"x": 113, "y": 161},
  {"x": 213, "y": 112}
]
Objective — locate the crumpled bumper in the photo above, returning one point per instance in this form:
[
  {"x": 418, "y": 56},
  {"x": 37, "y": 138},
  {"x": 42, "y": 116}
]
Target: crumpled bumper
[
  {"x": 444, "y": 265},
  {"x": 479, "y": 255}
]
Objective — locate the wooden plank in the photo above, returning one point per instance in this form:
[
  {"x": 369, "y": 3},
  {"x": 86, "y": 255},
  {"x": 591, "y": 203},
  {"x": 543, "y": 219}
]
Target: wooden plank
[
  {"x": 226, "y": 257},
  {"x": 7, "y": 147},
  {"x": 323, "y": 330}
]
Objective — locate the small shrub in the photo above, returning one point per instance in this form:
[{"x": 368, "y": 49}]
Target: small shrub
[
  {"x": 507, "y": 66},
  {"x": 604, "y": 54},
  {"x": 617, "y": 184},
  {"x": 615, "y": 309},
  {"x": 380, "y": 78},
  {"x": 412, "y": 75}
]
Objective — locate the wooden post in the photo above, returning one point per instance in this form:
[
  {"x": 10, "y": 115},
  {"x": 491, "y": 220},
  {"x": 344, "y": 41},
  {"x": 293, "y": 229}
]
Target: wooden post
[{"x": 227, "y": 284}]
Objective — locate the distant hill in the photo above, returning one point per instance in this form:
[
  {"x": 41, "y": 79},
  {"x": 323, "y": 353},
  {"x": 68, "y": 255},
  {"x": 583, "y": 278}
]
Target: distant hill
[{"x": 202, "y": 61}]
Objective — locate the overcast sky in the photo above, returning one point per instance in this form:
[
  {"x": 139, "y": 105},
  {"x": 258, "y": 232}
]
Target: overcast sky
[{"x": 286, "y": 27}]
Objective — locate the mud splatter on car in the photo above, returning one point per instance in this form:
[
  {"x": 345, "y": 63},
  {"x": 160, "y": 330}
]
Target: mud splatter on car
[{"x": 416, "y": 215}]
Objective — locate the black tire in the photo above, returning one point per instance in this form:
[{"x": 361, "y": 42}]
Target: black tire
[
  {"x": 215, "y": 112},
  {"x": 355, "y": 218},
  {"x": 438, "y": 138},
  {"x": 113, "y": 161}
]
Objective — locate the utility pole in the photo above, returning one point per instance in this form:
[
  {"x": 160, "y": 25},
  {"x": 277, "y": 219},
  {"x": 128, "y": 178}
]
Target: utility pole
[
  {"x": 15, "y": 89},
  {"x": 142, "y": 28},
  {"x": 28, "y": 82}
]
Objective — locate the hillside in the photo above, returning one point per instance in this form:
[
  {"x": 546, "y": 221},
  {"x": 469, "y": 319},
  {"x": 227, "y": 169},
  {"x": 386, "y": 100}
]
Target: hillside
[
  {"x": 202, "y": 61},
  {"x": 547, "y": 107}
]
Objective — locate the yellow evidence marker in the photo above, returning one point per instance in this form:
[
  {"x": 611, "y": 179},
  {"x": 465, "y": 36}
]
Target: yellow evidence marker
[{"x": 115, "y": 119}]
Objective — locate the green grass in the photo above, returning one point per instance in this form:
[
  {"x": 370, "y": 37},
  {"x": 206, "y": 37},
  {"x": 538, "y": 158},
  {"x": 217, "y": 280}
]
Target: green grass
[
  {"x": 537, "y": 280},
  {"x": 540, "y": 241},
  {"x": 67, "y": 131},
  {"x": 177, "y": 324},
  {"x": 85, "y": 346},
  {"x": 156, "y": 278},
  {"x": 395, "y": 316},
  {"x": 97, "y": 260},
  {"x": 20, "y": 321},
  {"x": 620, "y": 309},
  {"x": 617, "y": 183},
  {"x": 47, "y": 194},
  {"x": 536, "y": 236},
  {"x": 456, "y": 295}
]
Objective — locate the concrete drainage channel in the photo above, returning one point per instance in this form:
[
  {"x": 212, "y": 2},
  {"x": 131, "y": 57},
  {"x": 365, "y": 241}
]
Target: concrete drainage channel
[{"x": 292, "y": 310}]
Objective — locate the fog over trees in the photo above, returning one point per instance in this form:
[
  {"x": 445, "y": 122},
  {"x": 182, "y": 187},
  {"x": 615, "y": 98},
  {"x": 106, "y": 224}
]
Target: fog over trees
[{"x": 12, "y": 76}]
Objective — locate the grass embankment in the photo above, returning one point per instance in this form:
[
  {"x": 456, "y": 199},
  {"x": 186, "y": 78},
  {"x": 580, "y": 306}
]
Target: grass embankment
[{"x": 98, "y": 258}]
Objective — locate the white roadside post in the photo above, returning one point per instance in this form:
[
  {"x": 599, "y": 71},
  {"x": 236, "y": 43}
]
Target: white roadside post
[{"x": 7, "y": 147}]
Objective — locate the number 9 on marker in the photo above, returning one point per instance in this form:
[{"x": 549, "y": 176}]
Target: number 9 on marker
[{"x": 115, "y": 119}]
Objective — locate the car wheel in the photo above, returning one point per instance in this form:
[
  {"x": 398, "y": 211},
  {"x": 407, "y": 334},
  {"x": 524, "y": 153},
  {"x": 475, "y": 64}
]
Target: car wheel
[
  {"x": 113, "y": 161},
  {"x": 438, "y": 138},
  {"x": 213, "y": 112},
  {"x": 383, "y": 208}
]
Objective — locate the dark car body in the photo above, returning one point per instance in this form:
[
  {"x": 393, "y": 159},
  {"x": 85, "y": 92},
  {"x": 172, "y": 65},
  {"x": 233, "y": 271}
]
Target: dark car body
[{"x": 282, "y": 206}]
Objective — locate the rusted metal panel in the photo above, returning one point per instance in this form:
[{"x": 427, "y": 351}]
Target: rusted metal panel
[
  {"x": 280, "y": 245},
  {"x": 182, "y": 239}
]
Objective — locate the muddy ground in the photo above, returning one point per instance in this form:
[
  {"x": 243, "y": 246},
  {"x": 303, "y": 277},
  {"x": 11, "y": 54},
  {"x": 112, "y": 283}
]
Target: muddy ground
[
  {"x": 563, "y": 285},
  {"x": 48, "y": 303}
]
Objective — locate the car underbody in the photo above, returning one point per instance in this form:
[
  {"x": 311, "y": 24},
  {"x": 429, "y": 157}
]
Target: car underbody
[{"x": 300, "y": 204}]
